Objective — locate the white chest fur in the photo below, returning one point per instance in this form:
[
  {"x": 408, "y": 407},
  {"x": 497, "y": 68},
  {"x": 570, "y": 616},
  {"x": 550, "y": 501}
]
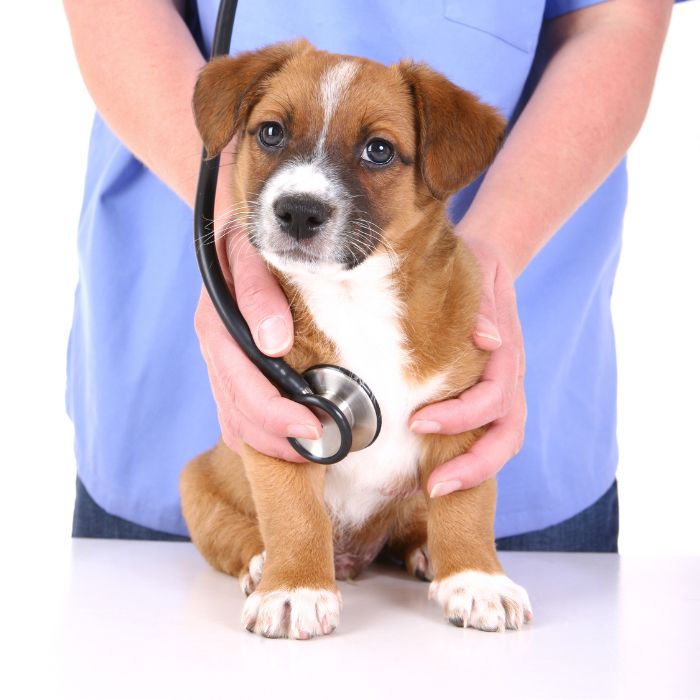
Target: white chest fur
[{"x": 359, "y": 311}]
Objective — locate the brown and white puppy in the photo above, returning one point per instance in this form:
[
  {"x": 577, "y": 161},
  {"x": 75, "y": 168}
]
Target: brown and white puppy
[{"x": 341, "y": 174}]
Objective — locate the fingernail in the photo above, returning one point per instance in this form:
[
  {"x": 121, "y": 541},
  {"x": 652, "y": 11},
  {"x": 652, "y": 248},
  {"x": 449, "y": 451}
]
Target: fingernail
[
  {"x": 485, "y": 328},
  {"x": 273, "y": 334},
  {"x": 307, "y": 432},
  {"x": 425, "y": 426},
  {"x": 442, "y": 488}
]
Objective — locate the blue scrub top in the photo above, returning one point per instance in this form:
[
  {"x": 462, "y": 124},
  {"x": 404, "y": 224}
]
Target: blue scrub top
[{"x": 138, "y": 391}]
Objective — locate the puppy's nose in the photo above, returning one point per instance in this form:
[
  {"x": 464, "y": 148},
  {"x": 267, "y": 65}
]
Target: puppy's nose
[{"x": 301, "y": 216}]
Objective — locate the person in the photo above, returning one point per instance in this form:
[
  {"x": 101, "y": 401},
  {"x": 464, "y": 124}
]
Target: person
[{"x": 573, "y": 77}]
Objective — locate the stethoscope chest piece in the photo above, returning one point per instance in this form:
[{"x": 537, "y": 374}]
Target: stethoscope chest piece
[{"x": 348, "y": 412}]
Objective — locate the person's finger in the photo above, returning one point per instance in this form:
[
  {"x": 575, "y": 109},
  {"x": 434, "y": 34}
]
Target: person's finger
[
  {"x": 261, "y": 300},
  {"x": 501, "y": 442},
  {"x": 239, "y": 386},
  {"x": 245, "y": 389},
  {"x": 235, "y": 429},
  {"x": 490, "y": 399},
  {"x": 486, "y": 333}
]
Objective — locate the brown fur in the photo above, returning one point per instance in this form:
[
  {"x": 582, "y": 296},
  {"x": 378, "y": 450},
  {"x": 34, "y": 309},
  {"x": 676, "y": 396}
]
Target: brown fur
[{"x": 237, "y": 506}]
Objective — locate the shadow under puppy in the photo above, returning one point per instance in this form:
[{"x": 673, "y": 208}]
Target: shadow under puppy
[{"x": 341, "y": 174}]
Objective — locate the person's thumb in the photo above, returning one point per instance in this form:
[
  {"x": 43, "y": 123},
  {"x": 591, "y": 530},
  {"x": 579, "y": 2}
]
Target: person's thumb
[
  {"x": 261, "y": 301},
  {"x": 486, "y": 334}
]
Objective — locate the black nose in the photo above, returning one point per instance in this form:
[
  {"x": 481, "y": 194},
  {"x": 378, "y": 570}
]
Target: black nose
[{"x": 301, "y": 216}]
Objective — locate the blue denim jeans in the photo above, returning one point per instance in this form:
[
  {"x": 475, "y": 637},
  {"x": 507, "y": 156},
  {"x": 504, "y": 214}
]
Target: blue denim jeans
[
  {"x": 592, "y": 530},
  {"x": 91, "y": 520}
]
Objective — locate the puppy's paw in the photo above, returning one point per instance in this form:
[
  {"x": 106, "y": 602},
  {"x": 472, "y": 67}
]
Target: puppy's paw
[
  {"x": 418, "y": 563},
  {"x": 490, "y": 602},
  {"x": 250, "y": 577},
  {"x": 300, "y": 613}
]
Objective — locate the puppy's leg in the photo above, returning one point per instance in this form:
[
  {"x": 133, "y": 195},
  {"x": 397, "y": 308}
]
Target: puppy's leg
[
  {"x": 469, "y": 582},
  {"x": 408, "y": 540},
  {"x": 297, "y": 596},
  {"x": 220, "y": 515}
]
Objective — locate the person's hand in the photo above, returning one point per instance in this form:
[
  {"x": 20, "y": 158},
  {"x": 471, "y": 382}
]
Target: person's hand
[
  {"x": 498, "y": 399},
  {"x": 249, "y": 407}
]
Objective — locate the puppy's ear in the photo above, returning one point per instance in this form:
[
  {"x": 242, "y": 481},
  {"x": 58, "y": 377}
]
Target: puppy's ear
[
  {"x": 458, "y": 136},
  {"x": 227, "y": 89}
]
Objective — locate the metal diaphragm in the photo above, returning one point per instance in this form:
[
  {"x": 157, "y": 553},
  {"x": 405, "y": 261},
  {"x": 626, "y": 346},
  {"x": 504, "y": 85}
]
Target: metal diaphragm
[{"x": 355, "y": 401}]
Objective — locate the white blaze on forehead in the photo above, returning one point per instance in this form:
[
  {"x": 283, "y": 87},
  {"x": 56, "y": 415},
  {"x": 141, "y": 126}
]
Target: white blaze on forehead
[{"x": 333, "y": 88}]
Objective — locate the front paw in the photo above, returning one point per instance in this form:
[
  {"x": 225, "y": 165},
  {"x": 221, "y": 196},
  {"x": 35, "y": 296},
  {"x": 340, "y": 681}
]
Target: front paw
[
  {"x": 490, "y": 602},
  {"x": 300, "y": 613}
]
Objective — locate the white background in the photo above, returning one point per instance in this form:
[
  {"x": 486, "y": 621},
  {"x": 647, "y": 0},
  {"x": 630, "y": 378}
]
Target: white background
[{"x": 45, "y": 119}]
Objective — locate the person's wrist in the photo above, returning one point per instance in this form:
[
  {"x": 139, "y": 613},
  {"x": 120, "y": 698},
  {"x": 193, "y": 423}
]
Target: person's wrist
[{"x": 491, "y": 244}]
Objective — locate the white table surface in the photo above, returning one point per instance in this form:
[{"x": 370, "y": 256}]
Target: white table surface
[{"x": 152, "y": 620}]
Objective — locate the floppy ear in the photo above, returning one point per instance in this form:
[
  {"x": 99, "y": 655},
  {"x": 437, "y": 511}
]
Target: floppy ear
[
  {"x": 458, "y": 136},
  {"x": 227, "y": 89}
]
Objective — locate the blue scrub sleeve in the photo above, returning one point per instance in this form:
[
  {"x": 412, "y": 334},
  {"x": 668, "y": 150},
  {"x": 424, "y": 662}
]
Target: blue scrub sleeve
[{"x": 554, "y": 8}]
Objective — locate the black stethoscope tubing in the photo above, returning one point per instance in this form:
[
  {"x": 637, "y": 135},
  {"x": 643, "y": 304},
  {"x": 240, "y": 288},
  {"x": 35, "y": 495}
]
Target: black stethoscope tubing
[{"x": 276, "y": 370}]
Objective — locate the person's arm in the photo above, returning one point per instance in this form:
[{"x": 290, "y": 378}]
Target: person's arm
[
  {"x": 140, "y": 63},
  {"x": 584, "y": 114},
  {"x": 581, "y": 119}
]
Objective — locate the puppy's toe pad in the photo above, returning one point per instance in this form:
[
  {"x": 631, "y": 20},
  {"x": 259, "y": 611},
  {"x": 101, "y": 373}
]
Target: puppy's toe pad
[
  {"x": 300, "y": 613},
  {"x": 490, "y": 602}
]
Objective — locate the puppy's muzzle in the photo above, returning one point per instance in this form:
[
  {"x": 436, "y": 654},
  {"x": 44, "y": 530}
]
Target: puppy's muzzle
[{"x": 301, "y": 216}]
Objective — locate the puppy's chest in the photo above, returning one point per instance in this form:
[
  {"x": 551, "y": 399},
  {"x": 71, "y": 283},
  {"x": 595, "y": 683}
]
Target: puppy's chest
[{"x": 362, "y": 317}]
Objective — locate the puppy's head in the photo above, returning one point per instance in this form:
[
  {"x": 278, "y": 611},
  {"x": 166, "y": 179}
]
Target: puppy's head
[{"x": 336, "y": 156}]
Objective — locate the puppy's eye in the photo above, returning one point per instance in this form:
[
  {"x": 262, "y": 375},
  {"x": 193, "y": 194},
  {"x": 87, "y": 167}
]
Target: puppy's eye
[
  {"x": 379, "y": 152},
  {"x": 271, "y": 134}
]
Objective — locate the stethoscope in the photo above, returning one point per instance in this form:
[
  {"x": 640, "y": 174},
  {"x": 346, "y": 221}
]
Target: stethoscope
[{"x": 343, "y": 403}]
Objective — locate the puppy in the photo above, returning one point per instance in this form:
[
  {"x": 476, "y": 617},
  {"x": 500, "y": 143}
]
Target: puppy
[{"x": 342, "y": 170}]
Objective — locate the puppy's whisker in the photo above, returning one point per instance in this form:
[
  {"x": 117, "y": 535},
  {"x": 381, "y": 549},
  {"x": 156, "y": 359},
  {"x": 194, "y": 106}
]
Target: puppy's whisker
[
  {"x": 352, "y": 247},
  {"x": 233, "y": 211},
  {"x": 383, "y": 239},
  {"x": 237, "y": 248},
  {"x": 364, "y": 245},
  {"x": 371, "y": 234}
]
